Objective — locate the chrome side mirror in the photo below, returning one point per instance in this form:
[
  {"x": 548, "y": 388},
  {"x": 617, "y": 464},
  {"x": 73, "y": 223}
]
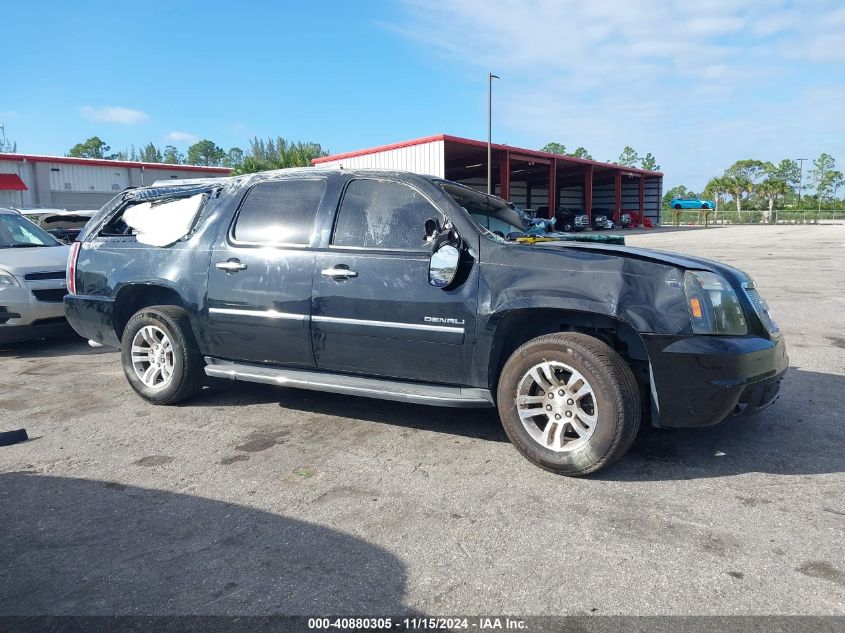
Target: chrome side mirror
[{"x": 443, "y": 266}]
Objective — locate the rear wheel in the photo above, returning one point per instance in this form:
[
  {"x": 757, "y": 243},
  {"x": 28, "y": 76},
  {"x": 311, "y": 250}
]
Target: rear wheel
[
  {"x": 677, "y": 206},
  {"x": 569, "y": 403},
  {"x": 160, "y": 356}
]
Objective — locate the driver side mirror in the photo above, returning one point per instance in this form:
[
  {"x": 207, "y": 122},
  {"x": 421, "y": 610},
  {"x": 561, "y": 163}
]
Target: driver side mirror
[{"x": 443, "y": 266}]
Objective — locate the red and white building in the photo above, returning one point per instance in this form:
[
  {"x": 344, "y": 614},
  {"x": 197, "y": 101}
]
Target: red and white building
[
  {"x": 61, "y": 182},
  {"x": 523, "y": 176}
]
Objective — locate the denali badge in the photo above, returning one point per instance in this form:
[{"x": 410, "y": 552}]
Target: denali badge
[{"x": 444, "y": 320}]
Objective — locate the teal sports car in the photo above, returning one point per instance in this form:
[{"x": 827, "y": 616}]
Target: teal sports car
[{"x": 692, "y": 202}]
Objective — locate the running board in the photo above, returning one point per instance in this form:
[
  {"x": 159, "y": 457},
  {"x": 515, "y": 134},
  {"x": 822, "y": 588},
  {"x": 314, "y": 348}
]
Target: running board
[{"x": 351, "y": 385}]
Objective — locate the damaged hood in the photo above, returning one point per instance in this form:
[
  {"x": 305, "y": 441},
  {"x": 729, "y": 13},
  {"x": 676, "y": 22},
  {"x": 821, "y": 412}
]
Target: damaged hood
[{"x": 662, "y": 257}]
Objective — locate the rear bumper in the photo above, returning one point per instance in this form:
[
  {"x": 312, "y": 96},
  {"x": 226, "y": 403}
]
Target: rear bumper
[
  {"x": 92, "y": 317},
  {"x": 701, "y": 380}
]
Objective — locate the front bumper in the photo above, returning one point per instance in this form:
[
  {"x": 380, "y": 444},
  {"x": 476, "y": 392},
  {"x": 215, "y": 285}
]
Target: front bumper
[
  {"x": 57, "y": 327},
  {"x": 701, "y": 380},
  {"x": 23, "y": 317}
]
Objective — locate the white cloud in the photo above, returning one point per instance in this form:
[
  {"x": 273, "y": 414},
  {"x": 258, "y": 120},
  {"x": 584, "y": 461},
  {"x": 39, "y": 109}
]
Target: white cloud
[
  {"x": 182, "y": 137},
  {"x": 112, "y": 114},
  {"x": 8, "y": 115},
  {"x": 699, "y": 84}
]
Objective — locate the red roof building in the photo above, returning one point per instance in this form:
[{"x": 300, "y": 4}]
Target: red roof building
[
  {"x": 63, "y": 182},
  {"x": 523, "y": 176}
]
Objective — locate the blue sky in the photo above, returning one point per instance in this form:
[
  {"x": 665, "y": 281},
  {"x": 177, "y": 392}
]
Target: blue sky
[{"x": 699, "y": 84}]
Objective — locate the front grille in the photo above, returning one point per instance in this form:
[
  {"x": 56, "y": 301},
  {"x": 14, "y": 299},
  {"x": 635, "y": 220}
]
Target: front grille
[
  {"x": 53, "y": 295},
  {"x": 59, "y": 274},
  {"x": 761, "y": 309}
]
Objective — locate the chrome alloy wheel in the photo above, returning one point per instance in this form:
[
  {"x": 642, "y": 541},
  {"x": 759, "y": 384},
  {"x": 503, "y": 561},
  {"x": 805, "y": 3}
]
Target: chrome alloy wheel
[
  {"x": 152, "y": 357},
  {"x": 557, "y": 406}
]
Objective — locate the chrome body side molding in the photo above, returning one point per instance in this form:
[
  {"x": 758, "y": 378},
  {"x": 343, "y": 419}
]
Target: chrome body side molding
[
  {"x": 266, "y": 314},
  {"x": 390, "y": 324},
  {"x": 380, "y": 388}
]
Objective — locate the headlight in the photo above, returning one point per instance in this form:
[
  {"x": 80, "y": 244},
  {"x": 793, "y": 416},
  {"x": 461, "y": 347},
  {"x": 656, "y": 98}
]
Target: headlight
[
  {"x": 713, "y": 305},
  {"x": 7, "y": 278},
  {"x": 761, "y": 308}
]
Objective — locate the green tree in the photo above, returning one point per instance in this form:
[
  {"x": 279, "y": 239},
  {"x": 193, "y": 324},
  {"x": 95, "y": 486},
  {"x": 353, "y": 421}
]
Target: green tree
[
  {"x": 130, "y": 154},
  {"x": 788, "y": 171},
  {"x": 826, "y": 178},
  {"x": 172, "y": 156},
  {"x": 278, "y": 154},
  {"x": 772, "y": 189},
  {"x": 554, "y": 148},
  {"x": 94, "y": 147},
  {"x": 581, "y": 152},
  {"x": 740, "y": 179},
  {"x": 206, "y": 153},
  {"x": 234, "y": 157},
  {"x": 715, "y": 189},
  {"x": 628, "y": 157},
  {"x": 150, "y": 154},
  {"x": 650, "y": 162}
]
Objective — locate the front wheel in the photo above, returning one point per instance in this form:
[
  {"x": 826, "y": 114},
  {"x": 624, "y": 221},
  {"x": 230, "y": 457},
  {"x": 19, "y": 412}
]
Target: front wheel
[
  {"x": 569, "y": 403},
  {"x": 160, "y": 356}
]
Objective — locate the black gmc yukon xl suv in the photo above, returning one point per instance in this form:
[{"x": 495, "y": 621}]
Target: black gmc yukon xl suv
[{"x": 394, "y": 285}]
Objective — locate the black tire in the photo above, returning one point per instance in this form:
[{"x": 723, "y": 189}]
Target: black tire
[
  {"x": 616, "y": 393},
  {"x": 567, "y": 227},
  {"x": 188, "y": 365},
  {"x": 677, "y": 206},
  {"x": 705, "y": 206}
]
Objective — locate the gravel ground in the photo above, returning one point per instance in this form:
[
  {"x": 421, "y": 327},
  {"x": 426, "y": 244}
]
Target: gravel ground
[{"x": 254, "y": 500}]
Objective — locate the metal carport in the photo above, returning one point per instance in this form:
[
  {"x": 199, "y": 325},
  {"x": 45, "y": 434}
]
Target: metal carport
[{"x": 523, "y": 176}]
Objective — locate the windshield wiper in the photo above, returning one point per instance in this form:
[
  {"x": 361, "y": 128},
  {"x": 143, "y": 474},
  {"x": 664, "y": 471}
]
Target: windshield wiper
[{"x": 16, "y": 245}]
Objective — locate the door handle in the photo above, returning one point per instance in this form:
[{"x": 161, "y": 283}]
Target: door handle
[
  {"x": 338, "y": 273},
  {"x": 231, "y": 265}
]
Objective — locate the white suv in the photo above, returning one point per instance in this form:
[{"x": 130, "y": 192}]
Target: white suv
[{"x": 32, "y": 281}]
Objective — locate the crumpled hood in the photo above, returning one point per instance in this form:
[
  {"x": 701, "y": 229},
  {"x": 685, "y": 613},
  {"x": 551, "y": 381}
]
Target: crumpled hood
[
  {"x": 673, "y": 259},
  {"x": 20, "y": 261}
]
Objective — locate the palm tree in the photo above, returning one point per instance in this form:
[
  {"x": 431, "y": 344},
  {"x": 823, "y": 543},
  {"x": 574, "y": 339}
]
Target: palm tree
[
  {"x": 737, "y": 185},
  {"x": 741, "y": 177},
  {"x": 715, "y": 189},
  {"x": 771, "y": 189}
]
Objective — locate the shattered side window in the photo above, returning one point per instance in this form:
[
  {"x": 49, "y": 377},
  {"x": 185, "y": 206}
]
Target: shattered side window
[
  {"x": 383, "y": 214},
  {"x": 157, "y": 222}
]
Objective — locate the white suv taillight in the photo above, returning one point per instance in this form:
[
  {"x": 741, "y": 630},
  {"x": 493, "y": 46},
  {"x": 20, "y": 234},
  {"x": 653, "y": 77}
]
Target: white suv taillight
[{"x": 70, "y": 277}]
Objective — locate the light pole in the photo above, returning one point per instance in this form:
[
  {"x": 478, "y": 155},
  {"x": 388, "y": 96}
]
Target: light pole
[
  {"x": 490, "y": 78},
  {"x": 800, "y": 182}
]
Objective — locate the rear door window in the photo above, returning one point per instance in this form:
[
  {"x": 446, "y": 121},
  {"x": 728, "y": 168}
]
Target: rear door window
[
  {"x": 279, "y": 212},
  {"x": 383, "y": 214}
]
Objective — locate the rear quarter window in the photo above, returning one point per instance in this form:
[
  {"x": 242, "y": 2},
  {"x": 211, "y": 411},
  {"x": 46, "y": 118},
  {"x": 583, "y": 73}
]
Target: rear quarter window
[
  {"x": 279, "y": 212},
  {"x": 158, "y": 222}
]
